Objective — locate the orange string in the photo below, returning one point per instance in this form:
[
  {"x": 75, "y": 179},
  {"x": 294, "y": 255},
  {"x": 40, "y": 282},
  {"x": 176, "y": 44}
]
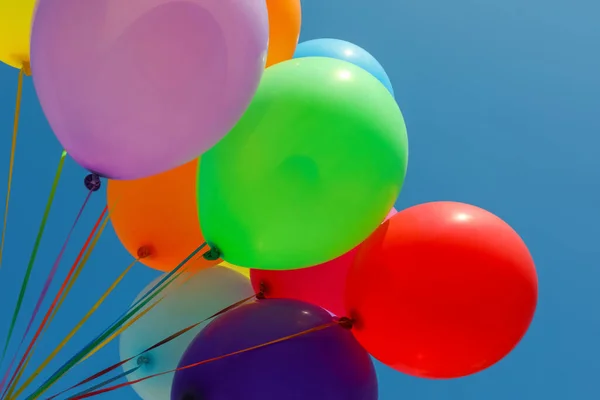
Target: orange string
[{"x": 295, "y": 335}]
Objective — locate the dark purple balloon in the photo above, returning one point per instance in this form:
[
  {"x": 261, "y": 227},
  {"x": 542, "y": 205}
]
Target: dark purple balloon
[{"x": 323, "y": 365}]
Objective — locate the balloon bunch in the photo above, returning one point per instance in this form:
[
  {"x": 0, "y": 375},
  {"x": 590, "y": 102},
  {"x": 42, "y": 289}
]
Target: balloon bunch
[{"x": 229, "y": 146}]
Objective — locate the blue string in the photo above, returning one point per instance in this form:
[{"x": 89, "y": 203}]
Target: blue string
[
  {"x": 166, "y": 277},
  {"x": 118, "y": 320}
]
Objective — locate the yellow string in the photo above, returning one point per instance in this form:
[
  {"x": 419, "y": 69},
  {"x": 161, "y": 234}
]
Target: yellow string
[
  {"x": 80, "y": 266},
  {"x": 104, "y": 296},
  {"x": 64, "y": 342},
  {"x": 121, "y": 329},
  {"x": 8, "y": 396},
  {"x": 133, "y": 320},
  {"x": 78, "y": 270},
  {"x": 12, "y": 156},
  {"x": 110, "y": 338},
  {"x": 83, "y": 320}
]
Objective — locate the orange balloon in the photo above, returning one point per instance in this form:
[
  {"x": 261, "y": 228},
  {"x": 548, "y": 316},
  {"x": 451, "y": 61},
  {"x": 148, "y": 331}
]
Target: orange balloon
[
  {"x": 285, "y": 18},
  {"x": 159, "y": 213}
]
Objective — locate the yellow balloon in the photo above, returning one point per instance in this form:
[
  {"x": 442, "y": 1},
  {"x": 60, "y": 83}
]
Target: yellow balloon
[
  {"x": 15, "y": 31},
  {"x": 243, "y": 271}
]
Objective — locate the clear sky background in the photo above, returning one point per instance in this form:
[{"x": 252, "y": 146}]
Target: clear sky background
[{"x": 501, "y": 99}]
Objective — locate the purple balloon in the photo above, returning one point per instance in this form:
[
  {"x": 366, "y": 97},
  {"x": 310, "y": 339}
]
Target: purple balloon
[
  {"x": 325, "y": 365},
  {"x": 132, "y": 88}
]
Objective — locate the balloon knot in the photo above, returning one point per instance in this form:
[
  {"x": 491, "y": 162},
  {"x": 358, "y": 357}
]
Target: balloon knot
[
  {"x": 213, "y": 254},
  {"x": 92, "y": 182},
  {"x": 26, "y": 68},
  {"x": 346, "y": 322},
  {"x": 143, "y": 360},
  {"x": 263, "y": 287},
  {"x": 144, "y": 252}
]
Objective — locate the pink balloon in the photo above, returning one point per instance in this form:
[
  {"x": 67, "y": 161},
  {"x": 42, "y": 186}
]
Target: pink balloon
[
  {"x": 392, "y": 212},
  {"x": 323, "y": 285},
  {"x": 132, "y": 88}
]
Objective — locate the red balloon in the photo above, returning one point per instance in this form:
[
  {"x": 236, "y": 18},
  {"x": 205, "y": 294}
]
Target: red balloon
[
  {"x": 323, "y": 285},
  {"x": 442, "y": 290}
]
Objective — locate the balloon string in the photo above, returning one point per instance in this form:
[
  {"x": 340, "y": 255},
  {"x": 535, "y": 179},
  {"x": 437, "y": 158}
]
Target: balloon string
[
  {"x": 131, "y": 321},
  {"x": 44, "y": 331},
  {"x": 81, "y": 265},
  {"x": 122, "y": 328},
  {"x": 54, "y": 269},
  {"x": 77, "y": 359},
  {"x": 157, "y": 345},
  {"x": 11, "y": 164},
  {"x": 44, "y": 291},
  {"x": 138, "y": 316},
  {"x": 22, "y": 370},
  {"x": 160, "y": 285},
  {"x": 115, "y": 334},
  {"x": 107, "y": 382},
  {"x": 70, "y": 335},
  {"x": 75, "y": 275},
  {"x": 34, "y": 252},
  {"x": 7, "y": 372},
  {"x": 272, "y": 342},
  {"x": 91, "y": 237},
  {"x": 167, "y": 278},
  {"x": 170, "y": 274},
  {"x": 65, "y": 288},
  {"x": 108, "y": 332},
  {"x": 52, "y": 273},
  {"x": 160, "y": 344}
]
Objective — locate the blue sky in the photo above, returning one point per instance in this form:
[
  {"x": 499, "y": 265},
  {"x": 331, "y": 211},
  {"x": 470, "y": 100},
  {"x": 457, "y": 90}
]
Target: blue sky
[{"x": 501, "y": 103}]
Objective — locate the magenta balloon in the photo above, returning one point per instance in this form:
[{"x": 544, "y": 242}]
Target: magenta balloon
[{"x": 132, "y": 88}]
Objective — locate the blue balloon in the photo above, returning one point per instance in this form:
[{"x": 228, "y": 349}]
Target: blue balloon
[
  {"x": 346, "y": 51},
  {"x": 205, "y": 293}
]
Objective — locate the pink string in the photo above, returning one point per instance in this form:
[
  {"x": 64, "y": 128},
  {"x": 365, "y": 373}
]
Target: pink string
[{"x": 44, "y": 291}]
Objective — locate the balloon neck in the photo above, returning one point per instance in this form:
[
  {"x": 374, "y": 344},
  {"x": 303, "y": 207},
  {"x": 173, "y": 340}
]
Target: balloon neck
[
  {"x": 144, "y": 252},
  {"x": 346, "y": 323},
  {"x": 213, "y": 254},
  {"x": 26, "y": 68},
  {"x": 143, "y": 360},
  {"x": 92, "y": 182},
  {"x": 262, "y": 290}
]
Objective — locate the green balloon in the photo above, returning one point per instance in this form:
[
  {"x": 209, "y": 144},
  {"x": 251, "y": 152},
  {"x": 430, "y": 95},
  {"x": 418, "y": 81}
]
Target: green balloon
[{"x": 309, "y": 171}]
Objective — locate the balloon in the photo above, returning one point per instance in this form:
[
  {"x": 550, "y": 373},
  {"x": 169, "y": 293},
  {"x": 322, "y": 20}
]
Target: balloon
[
  {"x": 241, "y": 270},
  {"x": 285, "y": 18},
  {"x": 342, "y": 50},
  {"x": 323, "y": 285},
  {"x": 134, "y": 91},
  {"x": 392, "y": 212},
  {"x": 325, "y": 364},
  {"x": 204, "y": 294},
  {"x": 15, "y": 28},
  {"x": 159, "y": 213},
  {"x": 442, "y": 290},
  {"x": 282, "y": 189}
]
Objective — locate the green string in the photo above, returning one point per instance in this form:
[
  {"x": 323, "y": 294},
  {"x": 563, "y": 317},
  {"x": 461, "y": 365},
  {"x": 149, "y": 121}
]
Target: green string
[
  {"x": 34, "y": 252},
  {"x": 91, "y": 346}
]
